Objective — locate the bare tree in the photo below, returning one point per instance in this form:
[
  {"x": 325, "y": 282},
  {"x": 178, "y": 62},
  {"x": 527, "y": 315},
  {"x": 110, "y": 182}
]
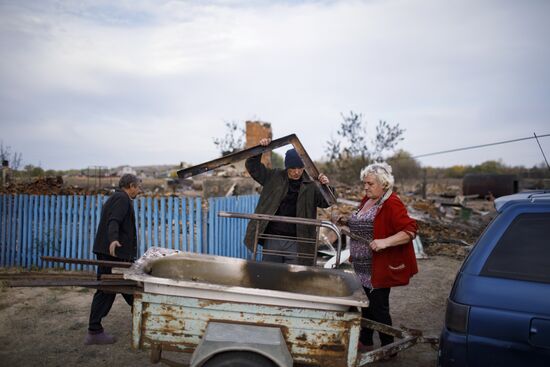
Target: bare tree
[
  {"x": 232, "y": 141},
  {"x": 352, "y": 151},
  {"x": 6, "y": 154}
]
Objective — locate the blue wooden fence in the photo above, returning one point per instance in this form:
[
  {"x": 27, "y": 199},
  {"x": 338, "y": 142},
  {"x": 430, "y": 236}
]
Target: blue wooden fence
[{"x": 36, "y": 225}]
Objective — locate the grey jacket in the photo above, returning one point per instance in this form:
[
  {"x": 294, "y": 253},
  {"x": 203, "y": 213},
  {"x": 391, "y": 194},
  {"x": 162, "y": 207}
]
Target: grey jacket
[{"x": 275, "y": 187}]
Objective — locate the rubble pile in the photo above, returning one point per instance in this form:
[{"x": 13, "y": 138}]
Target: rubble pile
[
  {"x": 46, "y": 186},
  {"x": 448, "y": 223}
]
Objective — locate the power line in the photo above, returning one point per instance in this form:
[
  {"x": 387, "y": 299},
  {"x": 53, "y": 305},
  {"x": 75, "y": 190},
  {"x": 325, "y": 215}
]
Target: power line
[{"x": 479, "y": 146}]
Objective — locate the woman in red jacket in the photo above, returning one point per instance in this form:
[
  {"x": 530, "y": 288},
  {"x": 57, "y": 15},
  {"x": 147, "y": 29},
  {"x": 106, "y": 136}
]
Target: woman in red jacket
[{"x": 385, "y": 257}]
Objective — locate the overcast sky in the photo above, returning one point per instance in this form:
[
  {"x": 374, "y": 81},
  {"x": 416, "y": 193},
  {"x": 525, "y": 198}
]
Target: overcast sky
[{"x": 107, "y": 83}]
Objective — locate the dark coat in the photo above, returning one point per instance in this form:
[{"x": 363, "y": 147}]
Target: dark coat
[
  {"x": 275, "y": 187},
  {"x": 117, "y": 223}
]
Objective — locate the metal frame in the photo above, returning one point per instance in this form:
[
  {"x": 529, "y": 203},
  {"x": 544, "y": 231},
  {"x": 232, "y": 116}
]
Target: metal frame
[
  {"x": 309, "y": 166},
  {"x": 408, "y": 338},
  {"x": 276, "y": 218}
]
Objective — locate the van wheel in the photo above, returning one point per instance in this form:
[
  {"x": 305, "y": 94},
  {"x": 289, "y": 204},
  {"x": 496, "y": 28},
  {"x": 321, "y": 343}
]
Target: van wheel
[{"x": 239, "y": 359}]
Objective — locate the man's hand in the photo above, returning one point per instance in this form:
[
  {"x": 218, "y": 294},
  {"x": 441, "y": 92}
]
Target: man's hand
[
  {"x": 113, "y": 246},
  {"x": 265, "y": 142},
  {"x": 323, "y": 179}
]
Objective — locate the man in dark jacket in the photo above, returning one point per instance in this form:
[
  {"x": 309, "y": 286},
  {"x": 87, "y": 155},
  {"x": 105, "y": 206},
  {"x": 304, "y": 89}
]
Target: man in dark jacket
[
  {"x": 116, "y": 240},
  {"x": 289, "y": 193}
]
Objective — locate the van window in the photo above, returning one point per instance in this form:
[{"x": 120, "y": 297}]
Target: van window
[{"x": 523, "y": 252}]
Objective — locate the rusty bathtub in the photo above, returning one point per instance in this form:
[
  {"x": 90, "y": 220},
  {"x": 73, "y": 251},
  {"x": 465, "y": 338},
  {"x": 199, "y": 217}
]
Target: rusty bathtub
[{"x": 229, "y": 279}]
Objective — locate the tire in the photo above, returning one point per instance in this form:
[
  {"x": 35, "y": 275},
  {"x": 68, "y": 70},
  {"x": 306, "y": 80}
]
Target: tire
[{"x": 239, "y": 359}]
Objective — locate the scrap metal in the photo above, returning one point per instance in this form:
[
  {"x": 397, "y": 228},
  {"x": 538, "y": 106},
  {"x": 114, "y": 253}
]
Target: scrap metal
[
  {"x": 309, "y": 166},
  {"x": 283, "y": 219}
]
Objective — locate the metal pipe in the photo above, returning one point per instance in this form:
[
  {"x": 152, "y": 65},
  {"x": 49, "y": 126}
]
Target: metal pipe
[
  {"x": 334, "y": 227},
  {"x": 112, "y": 264},
  {"x": 275, "y": 218},
  {"x": 283, "y": 219}
]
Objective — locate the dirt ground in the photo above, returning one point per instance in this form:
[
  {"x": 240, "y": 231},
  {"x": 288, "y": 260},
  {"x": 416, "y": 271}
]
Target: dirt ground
[{"x": 47, "y": 326}]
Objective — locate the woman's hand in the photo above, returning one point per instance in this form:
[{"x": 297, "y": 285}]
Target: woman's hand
[
  {"x": 397, "y": 239},
  {"x": 378, "y": 245}
]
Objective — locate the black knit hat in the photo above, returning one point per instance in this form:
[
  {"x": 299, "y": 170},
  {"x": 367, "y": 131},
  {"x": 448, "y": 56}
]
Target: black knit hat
[{"x": 293, "y": 160}]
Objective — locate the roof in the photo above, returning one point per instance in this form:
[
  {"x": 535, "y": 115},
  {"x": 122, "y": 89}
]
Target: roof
[{"x": 522, "y": 197}]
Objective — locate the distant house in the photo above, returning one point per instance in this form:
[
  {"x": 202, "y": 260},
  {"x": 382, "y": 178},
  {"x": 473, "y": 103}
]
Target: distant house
[{"x": 125, "y": 170}]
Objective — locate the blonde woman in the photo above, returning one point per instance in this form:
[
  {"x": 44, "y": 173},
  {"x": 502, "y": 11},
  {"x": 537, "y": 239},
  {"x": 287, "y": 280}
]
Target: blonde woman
[{"x": 385, "y": 258}]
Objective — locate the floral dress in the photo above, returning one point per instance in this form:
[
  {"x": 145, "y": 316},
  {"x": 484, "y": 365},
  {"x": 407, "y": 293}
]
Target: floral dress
[{"x": 362, "y": 224}]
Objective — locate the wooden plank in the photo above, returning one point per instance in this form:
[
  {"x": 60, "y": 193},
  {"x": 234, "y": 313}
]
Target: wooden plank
[
  {"x": 149, "y": 222},
  {"x": 63, "y": 226},
  {"x": 3, "y": 220},
  {"x": 198, "y": 232},
  {"x": 93, "y": 225},
  {"x": 33, "y": 229},
  {"x": 177, "y": 209},
  {"x": 156, "y": 222},
  {"x": 210, "y": 225},
  {"x": 141, "y": 226},
  {"x": 86, "y": 243},
  {"x": 162, "y": 222},
  {"x": 44, "y": 244},
  {"x": 169, "y": 226},
  {"x": 184, "y": 225},
  {"x": 57, "y": 226},
  {"x": 80, "y": 219},
  {"x": 51, "y": 230},
  {"x": 13, "y": 224},
  {"x": 20, "y": 228},
  {"x": 30, "y": 228},
  {"x": 25, "y": 240},
  {"x": 39, "y": 244},
  {"x": 74, "y": 231},
  {"x": 191, "y": 247}
]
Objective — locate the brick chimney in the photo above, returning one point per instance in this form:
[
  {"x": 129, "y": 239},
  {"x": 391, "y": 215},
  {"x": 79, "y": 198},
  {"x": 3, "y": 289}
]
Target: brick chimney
[{"x": 255, "y": 131}]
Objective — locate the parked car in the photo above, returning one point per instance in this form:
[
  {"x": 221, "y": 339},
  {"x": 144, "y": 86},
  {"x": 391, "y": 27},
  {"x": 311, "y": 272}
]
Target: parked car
[{"x": 498, "y": 312}]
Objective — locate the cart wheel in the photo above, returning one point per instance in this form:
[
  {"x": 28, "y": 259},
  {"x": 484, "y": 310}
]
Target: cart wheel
[{"x": 239, "y": 359}]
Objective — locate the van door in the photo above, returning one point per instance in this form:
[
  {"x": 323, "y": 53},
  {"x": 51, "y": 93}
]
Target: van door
[{"x": 510, "y": 322}]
